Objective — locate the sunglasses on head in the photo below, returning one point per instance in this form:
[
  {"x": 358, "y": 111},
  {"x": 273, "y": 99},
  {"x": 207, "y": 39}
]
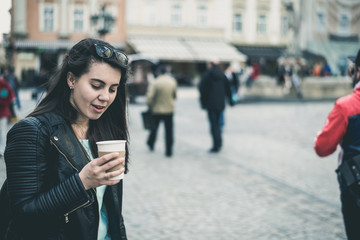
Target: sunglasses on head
[{"x": 107, "y": 52}]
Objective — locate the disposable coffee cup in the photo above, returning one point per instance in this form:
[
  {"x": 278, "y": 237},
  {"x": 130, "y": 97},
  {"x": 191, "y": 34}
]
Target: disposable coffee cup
[{"x": 105, "y": 147}]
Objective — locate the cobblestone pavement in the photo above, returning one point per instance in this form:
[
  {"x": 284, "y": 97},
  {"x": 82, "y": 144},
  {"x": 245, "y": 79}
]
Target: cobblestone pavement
[{"x": 266, "y": 183}]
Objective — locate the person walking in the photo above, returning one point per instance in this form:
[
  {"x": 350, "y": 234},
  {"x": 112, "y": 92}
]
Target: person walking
[
  {"x": 214, "y": 88},
  {"x": 14, "y": 83},
  {"x": 161, "y": 95},
  {"x": 255, "y": 73},
  {"x": 58, "y": 186},
  {"x": 341, "y": 128},
  {"x": 7, "y": 97}
]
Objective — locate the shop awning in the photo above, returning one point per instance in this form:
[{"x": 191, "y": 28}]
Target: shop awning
[
  {"x": 53, "y": 45},
  {"x": 184, "y": 49},
  {"x": 257, "y": 52}
]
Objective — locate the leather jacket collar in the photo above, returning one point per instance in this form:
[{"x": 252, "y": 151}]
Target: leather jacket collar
[{"x": 63, "y": 138}]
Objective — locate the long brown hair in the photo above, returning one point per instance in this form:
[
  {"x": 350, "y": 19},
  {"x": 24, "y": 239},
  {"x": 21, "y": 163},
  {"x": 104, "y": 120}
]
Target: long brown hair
[{"x": 112, "y": 124}]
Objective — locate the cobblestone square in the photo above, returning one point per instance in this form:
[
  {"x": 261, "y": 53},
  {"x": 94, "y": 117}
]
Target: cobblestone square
[{"x": 266, "y": 183}]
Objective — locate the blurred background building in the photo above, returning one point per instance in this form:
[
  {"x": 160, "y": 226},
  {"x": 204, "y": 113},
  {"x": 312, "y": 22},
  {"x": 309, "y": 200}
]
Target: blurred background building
[
  {"x": 42, "y": 31},
  {"x": 330, "y": 28},
  {"x": 185, "y": 33}
]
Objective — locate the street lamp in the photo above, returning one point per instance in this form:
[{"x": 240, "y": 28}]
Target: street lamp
[{"x": 105, "y": 20}]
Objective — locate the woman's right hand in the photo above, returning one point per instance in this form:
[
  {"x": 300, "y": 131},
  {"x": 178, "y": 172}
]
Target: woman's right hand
[{"x": 94, "y": 174}]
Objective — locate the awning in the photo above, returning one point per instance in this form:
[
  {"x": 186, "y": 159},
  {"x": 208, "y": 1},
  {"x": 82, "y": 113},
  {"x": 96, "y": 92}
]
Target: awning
[
  {"x": 184, "y": 49},
  {"x": 266, "y": 52},
  {"x": 53, "y": 45}
]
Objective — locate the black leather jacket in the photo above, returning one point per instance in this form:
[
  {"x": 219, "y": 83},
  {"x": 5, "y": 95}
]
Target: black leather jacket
[{"x": 48, "y": 201}]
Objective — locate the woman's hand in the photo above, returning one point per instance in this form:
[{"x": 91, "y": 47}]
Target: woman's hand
[{"x": 95, "y": 174}]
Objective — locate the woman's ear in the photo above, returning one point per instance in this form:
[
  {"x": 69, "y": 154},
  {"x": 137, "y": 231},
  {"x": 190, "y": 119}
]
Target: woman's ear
[{"x": 70, "y": 80}]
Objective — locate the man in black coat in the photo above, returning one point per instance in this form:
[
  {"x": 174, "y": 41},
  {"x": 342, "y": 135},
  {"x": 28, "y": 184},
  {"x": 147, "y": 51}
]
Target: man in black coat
[{"x": 214, "y": 88}]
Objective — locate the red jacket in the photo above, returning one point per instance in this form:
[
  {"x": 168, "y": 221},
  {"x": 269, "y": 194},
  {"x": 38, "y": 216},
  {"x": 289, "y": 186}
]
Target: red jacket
[
  {"x": 7, "y": 95},
  {"x": 341, "y": 127}
]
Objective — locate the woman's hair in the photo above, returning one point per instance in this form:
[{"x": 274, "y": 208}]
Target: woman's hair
[{"x": 112, "y": 125}]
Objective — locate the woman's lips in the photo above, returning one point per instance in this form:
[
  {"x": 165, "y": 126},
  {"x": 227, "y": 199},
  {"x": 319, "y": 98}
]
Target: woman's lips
[{"x": 98, "y": 108}]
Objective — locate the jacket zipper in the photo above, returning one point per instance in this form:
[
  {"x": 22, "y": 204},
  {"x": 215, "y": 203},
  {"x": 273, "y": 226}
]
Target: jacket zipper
[{"x": 66, "y": 215}]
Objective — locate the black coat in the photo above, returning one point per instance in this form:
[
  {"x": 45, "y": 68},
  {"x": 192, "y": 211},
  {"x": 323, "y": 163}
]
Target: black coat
[
  {"x": 214, "y": 88},
  {"x": 47, "y": 198}
]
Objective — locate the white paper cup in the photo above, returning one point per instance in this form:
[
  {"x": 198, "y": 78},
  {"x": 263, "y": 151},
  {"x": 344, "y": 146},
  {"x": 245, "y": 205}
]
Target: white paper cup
[{"x": 105, "y": 147}]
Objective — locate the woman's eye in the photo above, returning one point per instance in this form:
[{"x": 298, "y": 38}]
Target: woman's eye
[
  {"x": 112, "y": 90},
  {"x": 96, "y": 87}
]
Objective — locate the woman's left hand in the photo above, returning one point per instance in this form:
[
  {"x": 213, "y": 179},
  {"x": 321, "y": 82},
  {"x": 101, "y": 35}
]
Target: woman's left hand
[{"x": 94, "y": 174}]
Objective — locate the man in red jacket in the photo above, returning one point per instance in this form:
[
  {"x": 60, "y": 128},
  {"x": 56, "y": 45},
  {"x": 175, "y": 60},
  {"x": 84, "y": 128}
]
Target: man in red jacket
[
  {"x": 7, "y": 95},
  {"x": 343, "y": 127}
]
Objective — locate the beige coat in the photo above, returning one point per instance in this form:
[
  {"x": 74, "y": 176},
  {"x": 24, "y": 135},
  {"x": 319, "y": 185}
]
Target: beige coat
[{"x": 161, "y": 94}]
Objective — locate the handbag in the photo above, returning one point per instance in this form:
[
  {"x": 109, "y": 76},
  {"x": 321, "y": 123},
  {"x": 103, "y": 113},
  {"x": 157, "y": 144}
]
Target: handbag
[
  {"x": 349, "y": 171},
  {"x": 349, "y": 174},
  {"x": 148, "y": 120}
]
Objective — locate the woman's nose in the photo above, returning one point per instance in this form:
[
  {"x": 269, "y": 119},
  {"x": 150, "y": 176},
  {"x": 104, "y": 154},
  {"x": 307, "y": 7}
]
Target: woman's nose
[{"x": 104, "y": 96}]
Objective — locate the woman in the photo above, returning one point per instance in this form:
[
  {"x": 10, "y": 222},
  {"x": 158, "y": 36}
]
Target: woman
[{"x": 58, "y": 186}]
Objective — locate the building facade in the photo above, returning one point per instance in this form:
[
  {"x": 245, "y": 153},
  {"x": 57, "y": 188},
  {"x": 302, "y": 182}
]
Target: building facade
[
  {"x": 331, "y": 28},
  {"x": 261, "y": 30},
  {"x": 186, "y": 33},
  {"x": 43, "y": 30},
  {"x": 190, "y": 31},
  {"x": 182, "y": 33}
]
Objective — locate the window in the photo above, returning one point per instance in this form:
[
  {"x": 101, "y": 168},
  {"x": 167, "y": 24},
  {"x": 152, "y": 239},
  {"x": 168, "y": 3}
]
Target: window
[
  {"x": 284, "y": 26},
  {"x": 48, "y": 19},
  {"x": 344, "y": 24},
  {"x": 237, "y": 23},
  {"x": 78, "y": 20},
  {"x": 261, "y": 25},
  {"x": 320, "y": 22},
  {"x": 176, "y": 15},
  {"x": 202, "y": 15},
  {"x": 150, "y": 15}
]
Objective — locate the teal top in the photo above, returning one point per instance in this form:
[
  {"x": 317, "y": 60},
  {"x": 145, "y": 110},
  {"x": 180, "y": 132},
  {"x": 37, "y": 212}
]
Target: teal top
[{"x": 103, "y": 220}]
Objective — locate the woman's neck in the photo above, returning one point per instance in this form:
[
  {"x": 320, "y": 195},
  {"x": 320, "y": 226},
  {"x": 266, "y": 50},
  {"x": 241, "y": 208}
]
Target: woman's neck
[{"x": 80, "y": 129}]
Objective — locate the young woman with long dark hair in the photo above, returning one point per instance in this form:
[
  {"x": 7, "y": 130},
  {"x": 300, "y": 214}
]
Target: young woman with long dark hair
[{"x": 57, "y": 185}]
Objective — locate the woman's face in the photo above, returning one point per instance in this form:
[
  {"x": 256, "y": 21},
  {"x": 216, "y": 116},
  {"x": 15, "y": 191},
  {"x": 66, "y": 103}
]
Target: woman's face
[{"x": 94, "y": 91}]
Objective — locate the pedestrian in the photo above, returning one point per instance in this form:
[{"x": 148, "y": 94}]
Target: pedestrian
[
  {"x": 160, "y": 96},
  {"x": 214, "y": 89},
  {"x": 58, "y": 186},
  {"x": 7, "y": 96},
  {"x": 234, "y": 82},
  {"x": 341, "y": 128},
  {"x": 255, "y": 73},
  {"x": 286, "y": 72},
  {"x": 41, "y": 81},
  {"x": 296, "y": 77},
  {"x": 14, "y": 83}
]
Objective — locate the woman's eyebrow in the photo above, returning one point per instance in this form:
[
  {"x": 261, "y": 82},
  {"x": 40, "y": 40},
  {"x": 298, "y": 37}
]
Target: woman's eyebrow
[{"x": 102, "y": 82}]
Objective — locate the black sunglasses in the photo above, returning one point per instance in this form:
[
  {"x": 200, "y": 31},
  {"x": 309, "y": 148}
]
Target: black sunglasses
[{"x": 107, "y": 52}]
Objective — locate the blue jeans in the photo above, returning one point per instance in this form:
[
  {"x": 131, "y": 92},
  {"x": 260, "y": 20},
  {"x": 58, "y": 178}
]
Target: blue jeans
[{"x": 351, "y": 212}]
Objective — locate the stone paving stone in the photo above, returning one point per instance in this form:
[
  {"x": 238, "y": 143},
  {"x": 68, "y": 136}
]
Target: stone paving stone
[{"x": 266, "y": 183}]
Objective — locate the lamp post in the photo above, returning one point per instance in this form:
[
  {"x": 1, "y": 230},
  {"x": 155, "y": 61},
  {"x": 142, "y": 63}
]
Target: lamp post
[{"x": 104, "y": 21}]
